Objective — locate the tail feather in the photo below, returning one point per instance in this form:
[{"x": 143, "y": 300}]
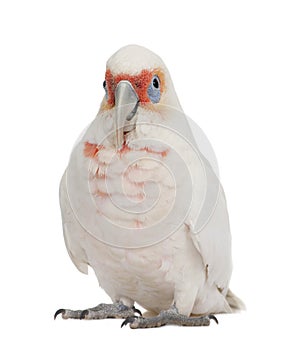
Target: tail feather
[{"x": 234, "y": 302}]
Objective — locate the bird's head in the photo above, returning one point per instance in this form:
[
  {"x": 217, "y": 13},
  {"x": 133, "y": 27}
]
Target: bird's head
[{"x": 137, "y": 85}]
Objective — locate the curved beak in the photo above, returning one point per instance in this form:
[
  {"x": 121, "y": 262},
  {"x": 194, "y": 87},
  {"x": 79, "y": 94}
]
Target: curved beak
[{"x": 126, "y": 103}]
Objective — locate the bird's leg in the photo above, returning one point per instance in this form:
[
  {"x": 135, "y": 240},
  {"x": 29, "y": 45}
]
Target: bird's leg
[
  {"x": 168, "y": 317},
  {"x": 116, "y": 310}
]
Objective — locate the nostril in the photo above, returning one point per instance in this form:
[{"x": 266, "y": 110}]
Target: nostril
[{"x": 138, "y": 84}]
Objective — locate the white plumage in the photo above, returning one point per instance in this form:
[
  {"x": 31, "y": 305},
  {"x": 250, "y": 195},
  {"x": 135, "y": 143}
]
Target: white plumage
[{"x": 103, "y": 185}]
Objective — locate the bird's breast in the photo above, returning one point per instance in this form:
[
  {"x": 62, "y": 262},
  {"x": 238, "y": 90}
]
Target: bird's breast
[{"x": 132, "y": 187}]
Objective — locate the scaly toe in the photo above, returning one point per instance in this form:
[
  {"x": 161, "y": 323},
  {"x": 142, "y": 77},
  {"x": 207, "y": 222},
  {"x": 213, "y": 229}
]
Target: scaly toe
[{"x": 84, "y": 313}]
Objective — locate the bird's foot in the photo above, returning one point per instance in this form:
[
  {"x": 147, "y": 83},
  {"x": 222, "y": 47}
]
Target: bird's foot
[
  {"x": 102, "y": 311},
  {"x": 168, "y": 317}
]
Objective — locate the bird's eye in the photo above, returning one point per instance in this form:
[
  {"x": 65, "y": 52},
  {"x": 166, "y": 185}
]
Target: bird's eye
[
  {"x": 105, "y": 87},
  {"x": 153, "y": 90},
  {"x": 155, "y": 82}
]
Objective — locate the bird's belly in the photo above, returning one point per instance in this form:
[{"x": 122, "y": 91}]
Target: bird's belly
[{"x": 146, "y": 275}]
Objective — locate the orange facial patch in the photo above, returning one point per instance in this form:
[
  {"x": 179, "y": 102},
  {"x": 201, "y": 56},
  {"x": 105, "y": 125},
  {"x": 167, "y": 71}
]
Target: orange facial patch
[{"x": 139, "y": 82}]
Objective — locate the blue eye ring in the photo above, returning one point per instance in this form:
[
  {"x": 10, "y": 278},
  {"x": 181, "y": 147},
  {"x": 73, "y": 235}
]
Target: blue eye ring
[{"x": 153, "y": 90}]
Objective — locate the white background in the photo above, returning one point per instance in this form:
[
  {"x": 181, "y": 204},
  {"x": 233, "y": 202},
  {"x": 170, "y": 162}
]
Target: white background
[{"x": 228, "y": 61}]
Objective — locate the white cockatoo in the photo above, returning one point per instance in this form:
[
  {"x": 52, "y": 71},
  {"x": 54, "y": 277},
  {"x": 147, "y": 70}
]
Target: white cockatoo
[{"x": 143, "y": 206}]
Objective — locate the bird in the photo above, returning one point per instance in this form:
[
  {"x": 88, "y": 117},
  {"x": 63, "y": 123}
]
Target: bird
[{"x": 143, "y": 206}]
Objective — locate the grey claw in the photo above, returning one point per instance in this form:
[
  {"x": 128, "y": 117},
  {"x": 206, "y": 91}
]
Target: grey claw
[
  {"x": 128, "y": 320},
  {"x": 212, "y": 317},
  {"x": 137, "y": 311},
  {"x": 83, "y": 314},
  {"x": 58, "y": 312}
]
